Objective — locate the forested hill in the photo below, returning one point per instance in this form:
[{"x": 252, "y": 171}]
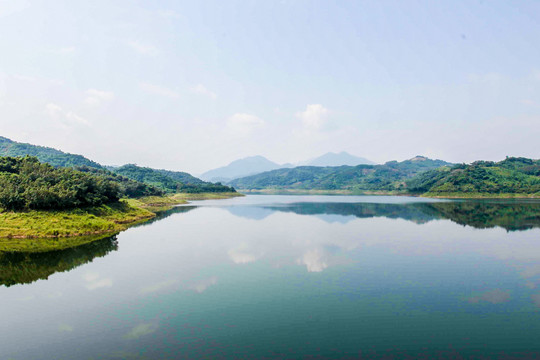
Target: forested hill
[
  {"x": 134, "y": 181},
  {"x": 388, "y": 177},
  {"x": 170, "y": 181},
  {"x": 44, "y": 154},
  {"x": 514, "y": 175}
]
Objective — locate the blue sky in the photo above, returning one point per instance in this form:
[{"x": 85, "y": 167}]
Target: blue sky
[{"x": 194, "y": 85}]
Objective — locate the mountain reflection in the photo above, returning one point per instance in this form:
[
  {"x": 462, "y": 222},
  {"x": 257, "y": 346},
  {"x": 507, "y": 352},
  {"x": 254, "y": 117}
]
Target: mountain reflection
[
  {"x": 25, "y": 268},
  {"x": 510, "y": 215}
]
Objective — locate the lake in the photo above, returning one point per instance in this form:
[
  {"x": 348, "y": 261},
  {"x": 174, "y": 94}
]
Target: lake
[{"x": 281, "y": 277}]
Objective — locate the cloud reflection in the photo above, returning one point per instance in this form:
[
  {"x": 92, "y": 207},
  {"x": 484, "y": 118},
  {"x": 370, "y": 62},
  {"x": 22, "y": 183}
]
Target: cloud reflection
[
  {"x": 496, "y": 296},
  {"x": 65, "y": 328},
  {"x": 158, "y": 286},
  {"x": 202, "y": 285},
  {"x": 240, "y": 257},
  {"x": 93, "y": 281},
  {"x": 315, "y": 260},
  {"x": 140, "y": 330}
]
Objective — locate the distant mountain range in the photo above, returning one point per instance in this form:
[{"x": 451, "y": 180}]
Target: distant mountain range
[
  {"x": 337, "y": 159},
  {"x": 257, "y": 164},
  {"x": 508, "y": 178},
  {"x": 388, "y": 177},
  {"x": 240, "y": 168}
]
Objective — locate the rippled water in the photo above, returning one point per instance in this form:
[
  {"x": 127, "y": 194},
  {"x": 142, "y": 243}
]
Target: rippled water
[{"x": 287, "y": 277}]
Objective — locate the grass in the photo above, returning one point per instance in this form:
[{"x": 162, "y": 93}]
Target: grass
[
  {"x": 40, "y": 230},
  {"x": 476, "y": 195},
  {"x": 321, "y": 192},
  {"x": 204, "y": 196},
  {"x": 76, "y": 222}
]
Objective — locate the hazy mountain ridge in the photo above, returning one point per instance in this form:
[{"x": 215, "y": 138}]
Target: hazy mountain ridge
[
  {"x": 240, "y": 168},
  {"x": 387, "y": 177},
  {"x": 337, "y": 159},
  {"x": 257, "y": 164}
]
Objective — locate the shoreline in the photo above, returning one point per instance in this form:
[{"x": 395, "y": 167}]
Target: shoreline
[
  {"x": 44, "y": 230},
  {"x": 389, "y": 193}
]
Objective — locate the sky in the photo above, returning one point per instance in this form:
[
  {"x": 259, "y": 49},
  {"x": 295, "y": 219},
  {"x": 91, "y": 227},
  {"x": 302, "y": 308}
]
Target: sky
[{"x": 194, "y": 85}]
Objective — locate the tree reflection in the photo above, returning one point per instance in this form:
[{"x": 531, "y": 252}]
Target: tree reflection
[
  {"x": 25, "y": 268},
  {"x": 510, "y": 215}
]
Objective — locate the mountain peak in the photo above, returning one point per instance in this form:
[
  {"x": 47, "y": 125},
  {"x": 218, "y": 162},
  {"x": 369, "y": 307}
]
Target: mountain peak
[
  {"x": 338, "y": 159},
  {"x": 239, "y": 168}
]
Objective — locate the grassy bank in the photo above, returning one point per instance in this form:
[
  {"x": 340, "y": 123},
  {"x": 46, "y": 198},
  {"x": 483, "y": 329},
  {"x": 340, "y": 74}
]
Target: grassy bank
[
  {"x": 438, "y": 195},
  {"x": 318, "y": 192},
  {"x": 77, "y": 222},
  {"x": 474, "y": 195},
  {"x": 39, "y": 230}
]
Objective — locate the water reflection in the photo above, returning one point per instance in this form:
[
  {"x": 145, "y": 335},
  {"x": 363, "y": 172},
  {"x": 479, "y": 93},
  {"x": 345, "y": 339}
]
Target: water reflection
[
  {"x": 295, "y": 279},
  {"x": 25, "y": 268},
  {"x": 510, "y": 215}
]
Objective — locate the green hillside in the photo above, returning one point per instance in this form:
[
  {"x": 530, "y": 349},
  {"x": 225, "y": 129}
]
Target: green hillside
[
  {"x": 44, "y": 154},
  {"x": 170, "y": 181},
  {"x": 512, "y": 176},
  {"x": 25, "y": 184},
  {"x": 388, "y": 177}
]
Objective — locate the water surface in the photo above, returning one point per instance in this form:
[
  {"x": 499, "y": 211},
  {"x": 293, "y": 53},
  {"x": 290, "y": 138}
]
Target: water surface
[{"x": 287, "y": 277}]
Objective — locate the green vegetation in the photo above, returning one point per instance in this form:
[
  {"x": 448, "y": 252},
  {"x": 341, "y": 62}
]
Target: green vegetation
[
  {"x": 25, "y": 184},
  {"x": 170, "y": 181},
  {"x": 512, "y": 177},
  {"x": 128, "y": 188},
  {"x": 102, "y": 219},
  {"x": 44, "y": 154},
  {"x": 388, "y": 177}
]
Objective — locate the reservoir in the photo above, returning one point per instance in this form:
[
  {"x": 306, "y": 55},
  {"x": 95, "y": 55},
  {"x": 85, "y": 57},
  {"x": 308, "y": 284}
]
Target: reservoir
[{"x": 285, "y": 277}]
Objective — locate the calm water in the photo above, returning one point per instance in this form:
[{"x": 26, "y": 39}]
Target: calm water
[{"x": 282, "y": 277}]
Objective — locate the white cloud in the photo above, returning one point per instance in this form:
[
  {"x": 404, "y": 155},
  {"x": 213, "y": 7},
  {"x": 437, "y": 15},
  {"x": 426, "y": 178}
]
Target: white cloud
[
  {"x": 66, "y": 50},
  {"x": 24, "y": 78},
  {"x": 202, "y": 90},
  {"x": 143, "y": 49},
  {"x": 243, "y": 124},
  {"x": 168, "y": 14},
  {"x": 159, "y": 90},
  {"x": 66, "y": 117},
  {"x": 536, "y": 74},
  {"x": 528, "y": 102},
  {"x": 8, "y": 7},
  {"x": 95, "y": 97},
  {"x": 314, "y": 117}
]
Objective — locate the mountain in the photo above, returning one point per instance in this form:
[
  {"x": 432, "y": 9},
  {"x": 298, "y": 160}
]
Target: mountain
[
  {"x": 240, "y": 168},
  {"x": 44, "y": 154},
  {"x": 338, "y": 159},
  {"x": 513, "y": 176},
  {"x": 387, "y": 177},
  {"x": 169, "y": 181}
]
